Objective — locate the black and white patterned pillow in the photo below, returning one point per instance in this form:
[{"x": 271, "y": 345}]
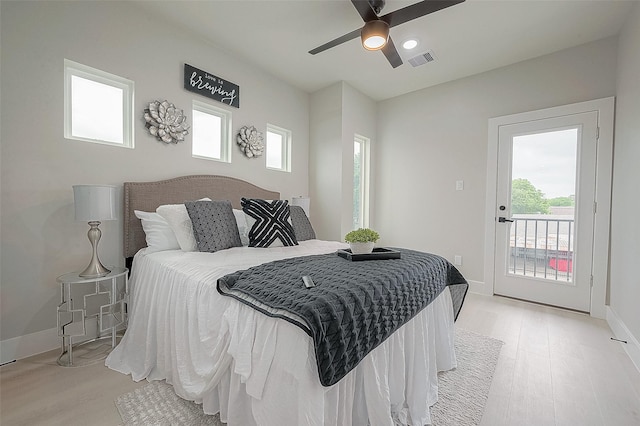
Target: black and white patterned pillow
[
  {"x": 214, "y": 225},
  {"x": 272, "y": 226},
  {"x": 301, "y": 224}
]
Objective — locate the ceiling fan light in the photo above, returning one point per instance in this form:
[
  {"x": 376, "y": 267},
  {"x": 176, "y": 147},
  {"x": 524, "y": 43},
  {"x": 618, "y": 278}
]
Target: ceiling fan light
[{"x": 374, "y": 35}]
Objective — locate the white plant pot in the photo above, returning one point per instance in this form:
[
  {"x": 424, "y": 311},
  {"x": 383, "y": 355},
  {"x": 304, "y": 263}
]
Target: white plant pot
[{"x": 361, "y": 248}]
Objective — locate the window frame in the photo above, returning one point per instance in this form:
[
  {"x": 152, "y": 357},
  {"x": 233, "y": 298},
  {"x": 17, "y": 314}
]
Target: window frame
[
  {"x": 86, "y": 72},
  {"x": 226, "y": 137},
  {"x": 285, "y": 152},
  {"x": 365, "y": 159}
]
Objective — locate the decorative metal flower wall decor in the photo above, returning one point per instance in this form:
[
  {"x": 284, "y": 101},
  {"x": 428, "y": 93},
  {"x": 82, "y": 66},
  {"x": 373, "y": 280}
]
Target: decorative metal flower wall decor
[
  {"x": 166, "y": 122},
  {"x": 250, "y": 141}
]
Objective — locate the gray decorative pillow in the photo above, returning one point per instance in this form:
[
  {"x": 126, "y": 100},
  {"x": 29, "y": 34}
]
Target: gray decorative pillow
[
  {"x": 301, "y": 225},
  {"x": 214, "y": 225}
]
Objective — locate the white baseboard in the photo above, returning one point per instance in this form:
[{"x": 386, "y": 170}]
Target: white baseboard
[
  {"x": 31, "y": 344},
  {"x": 480, "y": 288},
  {"x": 620, "y": 330}
]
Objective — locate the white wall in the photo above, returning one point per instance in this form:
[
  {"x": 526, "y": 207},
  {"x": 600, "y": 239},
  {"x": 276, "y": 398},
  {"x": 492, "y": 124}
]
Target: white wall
[
  {"x": 358, "y": 117},
  {"x": 40, "y": 239},
  {"x": 430, "y": 138},
  {"x": 625, "y": 227},
  {"x": 338, "y": 112},
  {"x": 422, "y": 143},
  {"x": 325, "y": 161}
]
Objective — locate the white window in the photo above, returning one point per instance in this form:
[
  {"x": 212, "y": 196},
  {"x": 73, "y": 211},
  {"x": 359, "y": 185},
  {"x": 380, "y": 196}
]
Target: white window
[
  {"x": 98, "y": 106},
  {"x": 211, "y": 132},
  {"x": 278, "y": 147},
  {"x": 360, "y": 182}
]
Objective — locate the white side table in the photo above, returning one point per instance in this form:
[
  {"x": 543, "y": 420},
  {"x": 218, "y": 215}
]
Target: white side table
[{"x": 103, "y": 299}]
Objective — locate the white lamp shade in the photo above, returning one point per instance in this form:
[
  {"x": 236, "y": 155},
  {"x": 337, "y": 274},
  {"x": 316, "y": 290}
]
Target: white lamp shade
[
  {"x": 303, "y": 202},
  {"x": 95, "y": 202}
]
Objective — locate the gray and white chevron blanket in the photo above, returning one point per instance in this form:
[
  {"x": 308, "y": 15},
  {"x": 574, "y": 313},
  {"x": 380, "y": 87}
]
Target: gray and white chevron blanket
[{"x": 353, "y": 307}]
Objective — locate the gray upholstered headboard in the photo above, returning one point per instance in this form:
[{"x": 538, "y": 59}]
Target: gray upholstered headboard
[{"x": 147, "y": 196}]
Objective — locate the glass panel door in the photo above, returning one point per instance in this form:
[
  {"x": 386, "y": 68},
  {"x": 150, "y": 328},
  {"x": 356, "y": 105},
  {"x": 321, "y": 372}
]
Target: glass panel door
[
  {"x": 543, "y": 195},
  {"x": 545, "y": 210}
]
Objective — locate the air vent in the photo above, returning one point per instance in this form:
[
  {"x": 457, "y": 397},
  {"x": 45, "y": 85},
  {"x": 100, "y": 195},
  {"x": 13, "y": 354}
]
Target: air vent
[{"x": 422, "y": 59}]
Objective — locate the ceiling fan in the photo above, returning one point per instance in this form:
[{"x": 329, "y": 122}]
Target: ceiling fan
[{"x": 375, "y": 32}]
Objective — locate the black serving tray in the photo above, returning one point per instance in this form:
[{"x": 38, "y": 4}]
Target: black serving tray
[{"x": 379, "y": 253}]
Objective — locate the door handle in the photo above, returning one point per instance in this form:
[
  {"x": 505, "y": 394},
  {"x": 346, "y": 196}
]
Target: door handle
[{"x": 503, "y": 219}]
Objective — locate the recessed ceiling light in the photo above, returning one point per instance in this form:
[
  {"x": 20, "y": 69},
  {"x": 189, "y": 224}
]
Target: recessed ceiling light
[{"x": 410, "y": 44}]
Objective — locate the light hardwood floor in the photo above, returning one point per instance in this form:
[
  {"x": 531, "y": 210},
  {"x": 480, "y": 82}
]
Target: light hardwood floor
[{"x": 556, "y": 368}]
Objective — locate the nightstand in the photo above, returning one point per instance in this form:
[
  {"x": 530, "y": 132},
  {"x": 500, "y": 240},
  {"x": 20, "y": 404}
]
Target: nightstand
[{"x": 88, "y": 309}]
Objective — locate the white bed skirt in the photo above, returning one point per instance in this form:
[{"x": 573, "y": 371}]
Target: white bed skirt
[{"x": 257, "y": 370}]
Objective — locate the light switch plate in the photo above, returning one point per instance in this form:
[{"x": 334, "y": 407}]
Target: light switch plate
[{"x": 459, "y": 185}]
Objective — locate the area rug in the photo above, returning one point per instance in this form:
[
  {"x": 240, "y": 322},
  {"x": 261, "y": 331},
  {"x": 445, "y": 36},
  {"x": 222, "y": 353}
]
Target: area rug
[{"x": 462, "y": 393}]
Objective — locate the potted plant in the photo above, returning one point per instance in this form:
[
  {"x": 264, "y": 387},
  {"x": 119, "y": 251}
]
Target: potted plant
[{"x": 362, "y": 240}]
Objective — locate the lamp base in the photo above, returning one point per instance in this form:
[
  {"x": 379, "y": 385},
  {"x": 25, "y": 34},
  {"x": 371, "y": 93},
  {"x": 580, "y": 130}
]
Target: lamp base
[{"x": 95, "y": 269}]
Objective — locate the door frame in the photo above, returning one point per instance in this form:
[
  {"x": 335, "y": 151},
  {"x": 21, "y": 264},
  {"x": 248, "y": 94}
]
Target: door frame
[{"x": 604, "y": 166}]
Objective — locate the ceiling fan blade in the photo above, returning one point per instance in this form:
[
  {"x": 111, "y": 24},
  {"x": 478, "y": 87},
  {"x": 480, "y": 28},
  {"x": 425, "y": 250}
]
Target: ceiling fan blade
[
  {"x": 392, "y": 54},
  {"x": 416, "y": 10},
  {"x": 333, "y": 43},
  {"x": 394, "y": 18},
  {"x": 364, "y": 9}
]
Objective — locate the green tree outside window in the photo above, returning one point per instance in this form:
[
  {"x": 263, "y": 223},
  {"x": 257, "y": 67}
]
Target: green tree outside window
[{"x": 527, "y": 199}]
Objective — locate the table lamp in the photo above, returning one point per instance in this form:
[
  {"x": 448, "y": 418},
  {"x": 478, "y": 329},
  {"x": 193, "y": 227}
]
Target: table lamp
[{"x": 94, "y": 203}]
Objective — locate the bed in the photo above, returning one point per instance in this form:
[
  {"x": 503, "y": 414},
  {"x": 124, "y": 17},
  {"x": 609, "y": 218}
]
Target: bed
[{"x": 252, "y": 368}]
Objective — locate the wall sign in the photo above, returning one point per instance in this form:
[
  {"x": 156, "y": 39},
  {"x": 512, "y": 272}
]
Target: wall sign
[{"x": 207, "y": 84}]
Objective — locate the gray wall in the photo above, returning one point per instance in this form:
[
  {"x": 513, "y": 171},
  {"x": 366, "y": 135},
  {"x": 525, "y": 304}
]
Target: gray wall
[
  {"x": 625, "y": 228},
  {"x": 40, "y": 239},
  {"x": 430, "y": 138}
]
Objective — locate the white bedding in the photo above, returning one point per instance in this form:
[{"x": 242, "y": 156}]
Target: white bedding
[{"x": 258, "y": 370}]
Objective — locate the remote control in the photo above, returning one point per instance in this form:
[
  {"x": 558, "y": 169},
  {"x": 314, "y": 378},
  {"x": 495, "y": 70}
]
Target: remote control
[{"x": 308, "y": 282}]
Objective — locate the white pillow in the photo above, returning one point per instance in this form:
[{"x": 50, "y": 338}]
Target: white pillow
[
  {"x": 157, "y": 231},
  {"x": 243, "y": 229},
  {"x": 178, "y": 219}
]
